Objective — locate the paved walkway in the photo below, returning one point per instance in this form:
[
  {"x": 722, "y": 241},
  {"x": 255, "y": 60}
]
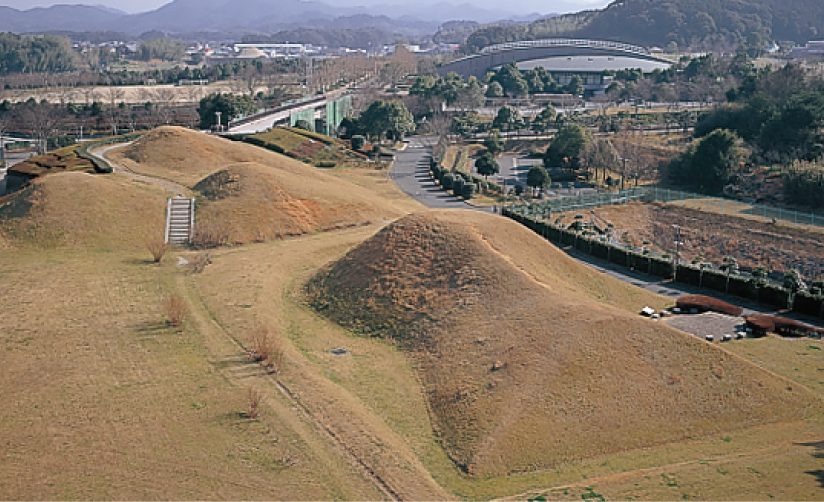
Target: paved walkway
[{"x": 410, "y": 172}]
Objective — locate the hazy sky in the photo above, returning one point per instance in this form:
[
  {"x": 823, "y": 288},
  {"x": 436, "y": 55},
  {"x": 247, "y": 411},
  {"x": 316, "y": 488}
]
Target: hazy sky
[{"x": 518, "y": 7}]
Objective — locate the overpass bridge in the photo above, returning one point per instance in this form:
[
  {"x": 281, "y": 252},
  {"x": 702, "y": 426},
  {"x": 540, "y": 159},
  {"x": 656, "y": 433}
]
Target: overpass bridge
[{"x": 333, "y": 107}]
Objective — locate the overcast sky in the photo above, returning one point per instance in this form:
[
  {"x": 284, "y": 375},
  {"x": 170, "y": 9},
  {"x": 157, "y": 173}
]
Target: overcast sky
[{"x": 518, "y": 7}]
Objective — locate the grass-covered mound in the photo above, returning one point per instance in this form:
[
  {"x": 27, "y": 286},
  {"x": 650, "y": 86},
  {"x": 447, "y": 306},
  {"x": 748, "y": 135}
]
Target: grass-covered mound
[
  {"x": 310, "y": 147},
  {"x": 56, "y": 161},
  {"x": 524, "y": 357},
  {"x": 82, "y": 210},
  {"x": 253, "y": 202},
  {"x": 249, "y": 193}
]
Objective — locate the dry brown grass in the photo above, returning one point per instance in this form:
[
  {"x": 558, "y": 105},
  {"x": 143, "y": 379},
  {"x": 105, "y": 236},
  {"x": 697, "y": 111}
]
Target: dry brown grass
[
  {"x": 83, "y": 211},
  {"x": 124, "y": 409},
  {"x": 258, "y": 194},
  {"x": 157, "y": 246},
  {"x": 176, "y": 310},
  {"x": 254, "y": 396},
  {"x": 465, "y": 292},
  {"x": 169, "y": 406},
  {"x": 200, "y": 261}
]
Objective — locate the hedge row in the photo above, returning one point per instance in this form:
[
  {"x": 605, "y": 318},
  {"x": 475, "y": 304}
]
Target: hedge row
[
  {"x": 459, "y": 182},
  {"x": 744, "y": 287}
]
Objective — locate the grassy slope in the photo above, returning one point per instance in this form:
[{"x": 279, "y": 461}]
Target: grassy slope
[
  {"x": 110, "y": 403},
  {"x": 82, "y": 211},
  {"x": 257, "y": 194},
  {"x": 106, "y": 402},
  {"x": 524, "y": 374}
]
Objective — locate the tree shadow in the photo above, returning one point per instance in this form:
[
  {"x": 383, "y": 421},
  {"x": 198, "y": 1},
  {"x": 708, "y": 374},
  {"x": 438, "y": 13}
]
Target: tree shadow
[
  {"x": 151, "y": 329},
  {"x": 819, "y": 453},
  {"x": 139, "y": 261}
]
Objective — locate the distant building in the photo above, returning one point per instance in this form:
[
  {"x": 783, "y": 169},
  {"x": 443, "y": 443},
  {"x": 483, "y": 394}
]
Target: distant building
[
  {"x": 563, "y": 59},
  {"x": 813, "y": 49}
]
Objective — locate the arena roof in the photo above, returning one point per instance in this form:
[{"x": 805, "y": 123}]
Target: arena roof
[{"x": 559, "y": 55}]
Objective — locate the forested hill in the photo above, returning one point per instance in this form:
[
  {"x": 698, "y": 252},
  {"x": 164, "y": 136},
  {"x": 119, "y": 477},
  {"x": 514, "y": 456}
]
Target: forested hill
[{"x": 709, "y": 24}]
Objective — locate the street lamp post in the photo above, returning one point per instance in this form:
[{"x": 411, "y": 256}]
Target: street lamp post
[{"x": 677, "y": 230}]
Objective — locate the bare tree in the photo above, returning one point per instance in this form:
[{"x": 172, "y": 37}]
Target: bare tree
[
  {"x": 114, "y": 95},
  {"x": 90, "y": 94},
  {"x": 194, "y": 93},
  {"x": 5, "y": 119},
  {"x": 165, "y": 98},
  {"x": 42, "y": 118}
]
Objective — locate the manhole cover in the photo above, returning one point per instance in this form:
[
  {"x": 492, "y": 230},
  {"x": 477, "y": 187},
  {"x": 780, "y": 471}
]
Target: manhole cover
[{"x": 339, "y": 352}]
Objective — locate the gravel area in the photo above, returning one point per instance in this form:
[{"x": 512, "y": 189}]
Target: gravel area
[{"x": 707, "y": 324}]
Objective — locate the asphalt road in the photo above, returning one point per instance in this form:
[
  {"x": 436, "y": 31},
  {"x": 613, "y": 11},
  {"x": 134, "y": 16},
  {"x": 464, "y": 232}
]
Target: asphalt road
[{"x": 410, "y": 172}]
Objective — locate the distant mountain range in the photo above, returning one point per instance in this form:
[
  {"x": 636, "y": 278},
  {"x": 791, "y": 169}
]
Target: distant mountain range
[
  {"x": 699, "y": 24},
  {"x": 256, "y": 16}
]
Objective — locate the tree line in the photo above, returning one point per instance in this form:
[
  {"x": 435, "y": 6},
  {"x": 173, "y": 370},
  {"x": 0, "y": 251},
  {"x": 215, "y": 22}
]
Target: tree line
[{"x": 718, "y": 25}]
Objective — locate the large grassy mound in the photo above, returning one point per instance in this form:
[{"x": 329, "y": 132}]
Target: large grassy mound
[
  {"x": 250, "y": 192},
  {"x": 525, "y": 359},
  {"x": 81, "y": 210}
]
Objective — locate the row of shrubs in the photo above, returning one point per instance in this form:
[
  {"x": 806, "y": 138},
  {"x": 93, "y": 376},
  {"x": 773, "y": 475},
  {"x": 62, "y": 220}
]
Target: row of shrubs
[
  {"x": 84, "y": 150},
  {"x": 438, "y": 171},
  {"x": 745, "y": 287},
  {"x": 460, "y": 183}
]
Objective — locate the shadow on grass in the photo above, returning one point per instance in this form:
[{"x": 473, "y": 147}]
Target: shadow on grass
[
  {"x": 140, "y": 262},
  {"x": 152, "y": 329},
  {"x": 819, "y": 453},
  {"x": 239, "y": 366}
]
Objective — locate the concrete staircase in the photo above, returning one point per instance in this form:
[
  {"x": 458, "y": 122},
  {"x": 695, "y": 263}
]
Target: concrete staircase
[{"x": 180, "y": 220}]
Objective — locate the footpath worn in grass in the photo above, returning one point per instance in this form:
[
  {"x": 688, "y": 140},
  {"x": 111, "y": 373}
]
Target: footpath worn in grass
[
  {"x": 523, "y": 369},
  {"x": 102, "y": 400}
]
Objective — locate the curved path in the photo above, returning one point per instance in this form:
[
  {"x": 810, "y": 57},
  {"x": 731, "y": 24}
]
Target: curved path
[
  {"x": 120, "y": 169},
  {"x": 410, "y": 172}
]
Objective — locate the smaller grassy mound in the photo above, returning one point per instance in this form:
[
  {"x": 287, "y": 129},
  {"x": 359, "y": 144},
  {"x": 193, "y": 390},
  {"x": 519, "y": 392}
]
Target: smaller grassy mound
[
  {"x": 80, "y": 210},
  {"x": 57, "y": 161},
  {"x": 306, "y": 146},
  {"x": 254, "y": 203}
]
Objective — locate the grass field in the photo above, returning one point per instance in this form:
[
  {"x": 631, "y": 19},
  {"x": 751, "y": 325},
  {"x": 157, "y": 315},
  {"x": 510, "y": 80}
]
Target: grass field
[{"x": 103, "y": 399}]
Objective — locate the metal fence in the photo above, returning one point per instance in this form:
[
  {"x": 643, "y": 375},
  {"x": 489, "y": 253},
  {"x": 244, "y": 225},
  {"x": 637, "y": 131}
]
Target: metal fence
[
  {"x": 706, "y": 203},
  {"x": 760, "y": 212}
]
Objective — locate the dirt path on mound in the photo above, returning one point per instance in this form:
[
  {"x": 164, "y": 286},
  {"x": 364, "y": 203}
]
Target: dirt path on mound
[{"x": 121, "y": 169}]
